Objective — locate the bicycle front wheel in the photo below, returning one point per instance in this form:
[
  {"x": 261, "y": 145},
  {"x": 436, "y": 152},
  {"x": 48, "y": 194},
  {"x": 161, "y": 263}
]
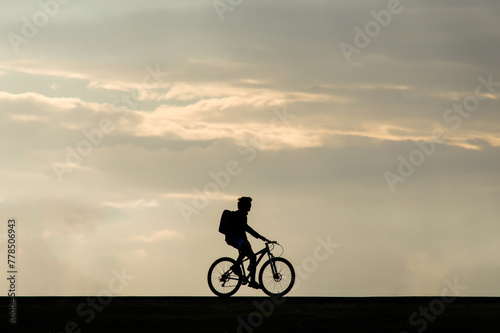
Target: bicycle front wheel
[
  {"x": 277, "y": 277},
  {"x": 221, "y": 279}
]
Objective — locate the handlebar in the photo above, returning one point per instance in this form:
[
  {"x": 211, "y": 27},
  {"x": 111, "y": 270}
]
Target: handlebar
[{"x": 271, "y": 248}]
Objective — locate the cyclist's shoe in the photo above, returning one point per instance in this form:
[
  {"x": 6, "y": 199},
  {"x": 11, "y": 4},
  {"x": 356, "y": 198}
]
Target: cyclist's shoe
[
  {"x": 236, "y": 270},
  {"x": 254, "y": 285},
  {"x": 244, "y": 280}
]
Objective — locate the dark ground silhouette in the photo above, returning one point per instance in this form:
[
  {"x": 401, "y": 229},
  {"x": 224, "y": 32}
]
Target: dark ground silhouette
[{"x": 248, "y": 314}]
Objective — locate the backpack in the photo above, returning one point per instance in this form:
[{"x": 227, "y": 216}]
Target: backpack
[{"x": 226, "y": 222}]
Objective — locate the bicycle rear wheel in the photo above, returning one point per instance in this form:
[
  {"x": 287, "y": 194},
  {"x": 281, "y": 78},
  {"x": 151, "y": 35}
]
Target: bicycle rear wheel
[
  {"x": 222, "y": 281},
  {"x": 279, "y": 281}
]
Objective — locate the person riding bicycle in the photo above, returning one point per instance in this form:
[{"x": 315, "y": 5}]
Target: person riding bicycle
[{"x": 237, "y": 238}]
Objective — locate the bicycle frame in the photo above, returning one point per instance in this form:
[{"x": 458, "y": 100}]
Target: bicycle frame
[{"x": 259, "y": 256}]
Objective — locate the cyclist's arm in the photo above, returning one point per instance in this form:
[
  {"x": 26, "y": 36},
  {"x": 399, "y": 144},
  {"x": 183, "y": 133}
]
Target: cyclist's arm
[{"x": 255, "y": 233}]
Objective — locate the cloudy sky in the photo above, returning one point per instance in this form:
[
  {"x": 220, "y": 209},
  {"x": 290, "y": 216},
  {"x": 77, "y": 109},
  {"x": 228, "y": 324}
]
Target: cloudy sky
[{"x": 128, "y": 126}]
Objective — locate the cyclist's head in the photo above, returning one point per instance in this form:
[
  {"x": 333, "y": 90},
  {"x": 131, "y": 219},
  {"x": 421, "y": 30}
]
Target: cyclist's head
[{"x": 244, "y": 203}]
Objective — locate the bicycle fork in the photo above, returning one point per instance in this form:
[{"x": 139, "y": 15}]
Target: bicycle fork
[{"x": 273, "y": 266}]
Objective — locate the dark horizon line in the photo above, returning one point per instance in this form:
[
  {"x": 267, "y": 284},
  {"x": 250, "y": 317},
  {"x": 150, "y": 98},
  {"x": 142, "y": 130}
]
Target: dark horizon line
[{"x": 263, "y": 296}]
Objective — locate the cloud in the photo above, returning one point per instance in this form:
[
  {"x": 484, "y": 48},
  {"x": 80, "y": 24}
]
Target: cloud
[
  {"x": 37, "y": 68},
  {"x": 158, "y": 236},
  {"x": 52, "y": 104},
  {"x": 26, "y": 118},
  {"x": 192, "y": 195},
  {"x": 140, "y": 253},
  {"x": 136, "y": 204}
]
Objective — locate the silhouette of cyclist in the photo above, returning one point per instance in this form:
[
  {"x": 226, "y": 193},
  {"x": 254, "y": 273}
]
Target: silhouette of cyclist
[{"x": 237, "y": 238}]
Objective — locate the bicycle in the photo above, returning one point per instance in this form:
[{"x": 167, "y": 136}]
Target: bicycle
[{"x": 276, "y": 276}]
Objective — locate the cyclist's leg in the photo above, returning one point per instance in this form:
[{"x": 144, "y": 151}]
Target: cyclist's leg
[
  {"x": 240, "y": 258},
  {"x": 246, "y": 251},
  {"x": 236, "y": 243}
]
